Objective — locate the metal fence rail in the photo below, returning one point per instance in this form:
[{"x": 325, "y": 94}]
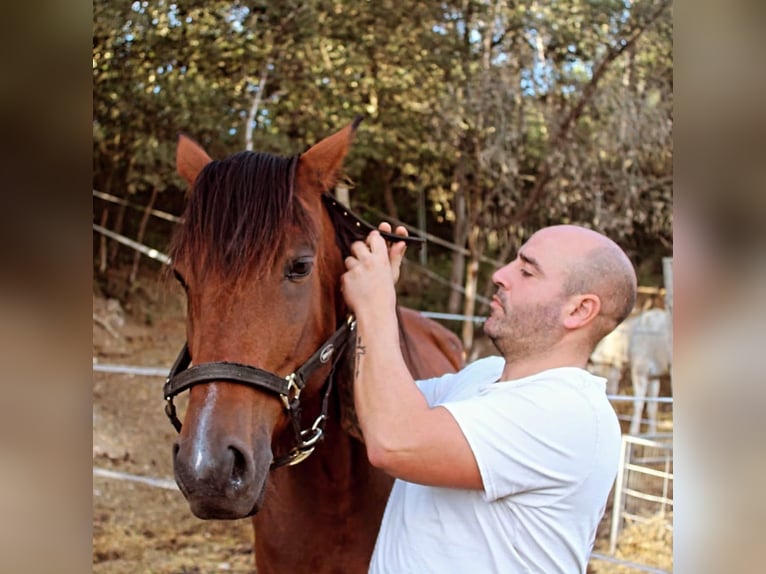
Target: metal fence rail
[
  {"x": 629, "y": 465},
  {"x": 636, "y": 465},
  {"x": 639, "y": 466}
]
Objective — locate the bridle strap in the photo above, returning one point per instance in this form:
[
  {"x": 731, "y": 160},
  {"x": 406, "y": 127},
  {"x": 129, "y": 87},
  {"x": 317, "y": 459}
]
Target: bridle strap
[
  {"x": 356, "y": 227},
  {"x": 225, "y": 371},
  {"x": 183, "y": 377}
]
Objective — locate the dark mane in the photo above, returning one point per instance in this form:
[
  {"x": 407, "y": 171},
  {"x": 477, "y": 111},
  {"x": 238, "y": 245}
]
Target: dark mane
[{"x": 238, "y": 215}]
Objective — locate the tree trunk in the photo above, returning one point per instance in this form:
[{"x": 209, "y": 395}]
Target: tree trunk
[
  {"x": 140, "y": 237},
  {"x": 459, "y": 239},
  {"x": 102, "y": 242},
  {"x": 471, "y": 281},
  {"x": 118, "y": 225},
  {"x": 388, "y": 198},
  {"x": 253, "y": 114}
]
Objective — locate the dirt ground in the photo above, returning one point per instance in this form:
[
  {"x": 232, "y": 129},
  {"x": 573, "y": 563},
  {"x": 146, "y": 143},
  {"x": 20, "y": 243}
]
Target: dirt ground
[{"x": 138, "y": 528}]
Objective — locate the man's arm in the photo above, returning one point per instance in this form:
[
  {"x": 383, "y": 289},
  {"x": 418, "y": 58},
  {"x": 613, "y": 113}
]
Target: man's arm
[{"x": 404, "y": 436}]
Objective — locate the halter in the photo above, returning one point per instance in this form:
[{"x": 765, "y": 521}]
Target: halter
[{"x": 183, "y": 377}]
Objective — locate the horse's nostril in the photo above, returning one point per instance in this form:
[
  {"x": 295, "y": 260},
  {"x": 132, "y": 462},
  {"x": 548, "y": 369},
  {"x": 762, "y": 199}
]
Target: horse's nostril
[
  {"x": 239, "y": 467},
  {"x": 176, "y": 448}
]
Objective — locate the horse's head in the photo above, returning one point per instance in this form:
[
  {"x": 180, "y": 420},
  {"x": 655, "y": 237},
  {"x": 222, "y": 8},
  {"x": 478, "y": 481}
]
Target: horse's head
[{"x": 257, "y": 256}]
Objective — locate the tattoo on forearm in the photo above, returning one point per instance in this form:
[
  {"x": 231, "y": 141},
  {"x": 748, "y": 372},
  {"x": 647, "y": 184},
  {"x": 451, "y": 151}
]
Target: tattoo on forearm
[{"x": 360, "y": 350}]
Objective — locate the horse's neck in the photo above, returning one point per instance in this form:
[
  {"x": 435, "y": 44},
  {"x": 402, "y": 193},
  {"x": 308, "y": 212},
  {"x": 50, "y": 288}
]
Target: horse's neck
[
  {"x": 330, "y": 504},
  {"x": 345, "y": 387}
]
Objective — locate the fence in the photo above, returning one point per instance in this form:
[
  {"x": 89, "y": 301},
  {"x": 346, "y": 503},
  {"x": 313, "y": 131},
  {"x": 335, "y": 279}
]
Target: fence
[
  {"x": 648, "y": 458},
  {"x": 419, "y": 268},
  {"x": 637, "y": 459},
  {"x": 644, "y": 484}
]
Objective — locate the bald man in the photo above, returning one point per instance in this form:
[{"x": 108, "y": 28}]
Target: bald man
[{"x": 506, "y": 465}]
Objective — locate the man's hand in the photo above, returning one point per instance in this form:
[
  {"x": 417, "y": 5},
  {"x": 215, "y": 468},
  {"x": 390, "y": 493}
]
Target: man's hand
[
  {"x": 396, "y": 249},
  {"x": 373, "y": 269}
]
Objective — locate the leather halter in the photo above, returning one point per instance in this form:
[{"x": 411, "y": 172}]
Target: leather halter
[
  {"x": 183, "y": 377},
  {"x": 349, "y": 223}
]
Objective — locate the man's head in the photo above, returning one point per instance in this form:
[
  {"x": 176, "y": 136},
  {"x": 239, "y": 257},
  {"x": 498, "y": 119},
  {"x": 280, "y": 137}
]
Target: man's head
[{"x": 568, "y": 283}]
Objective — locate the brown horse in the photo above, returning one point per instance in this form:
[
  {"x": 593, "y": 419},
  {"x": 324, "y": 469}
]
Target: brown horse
[{"x": 268, "y": 358}]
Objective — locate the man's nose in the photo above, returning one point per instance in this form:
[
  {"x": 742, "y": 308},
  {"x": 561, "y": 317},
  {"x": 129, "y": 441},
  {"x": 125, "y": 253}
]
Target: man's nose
[{"x": 500, "y": 276}]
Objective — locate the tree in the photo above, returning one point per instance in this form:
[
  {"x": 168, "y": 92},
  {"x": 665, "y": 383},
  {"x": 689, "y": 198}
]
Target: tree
[{"x": 506, "y": 116}]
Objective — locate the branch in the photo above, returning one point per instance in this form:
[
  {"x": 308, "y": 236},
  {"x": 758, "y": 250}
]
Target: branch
[
  {"x": 585, "y": 98},
  {"x": 254, "y": 108}
]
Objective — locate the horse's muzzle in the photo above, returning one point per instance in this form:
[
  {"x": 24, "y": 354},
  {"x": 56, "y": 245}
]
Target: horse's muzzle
[{"x": 225, "y": 483}]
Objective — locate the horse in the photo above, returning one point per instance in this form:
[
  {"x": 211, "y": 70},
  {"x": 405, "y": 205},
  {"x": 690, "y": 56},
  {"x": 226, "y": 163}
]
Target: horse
[
  {"x": 642, "y": 347},
  {"x": 650, "y": 352},
  {"x": 269, "y": 430}
]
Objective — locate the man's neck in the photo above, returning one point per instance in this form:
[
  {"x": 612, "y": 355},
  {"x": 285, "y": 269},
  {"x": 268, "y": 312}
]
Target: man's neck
[{"x": 518, "y": 368}]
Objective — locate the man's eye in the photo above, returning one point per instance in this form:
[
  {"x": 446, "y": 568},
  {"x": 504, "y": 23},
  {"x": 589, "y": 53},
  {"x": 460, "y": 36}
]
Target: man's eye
[
  {"x": 299, "y": 268},
  {"x": 526, "y": 273}
]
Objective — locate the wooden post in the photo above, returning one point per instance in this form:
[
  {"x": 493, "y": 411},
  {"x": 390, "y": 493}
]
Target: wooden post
[{"x": 342, "y": 194}]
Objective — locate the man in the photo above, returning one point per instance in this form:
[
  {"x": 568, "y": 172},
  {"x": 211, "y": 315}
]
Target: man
[{"x": 505, "y": 466}]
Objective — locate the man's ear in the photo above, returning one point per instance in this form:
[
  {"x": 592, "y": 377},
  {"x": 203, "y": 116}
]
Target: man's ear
[{"x": 581, "y": 310}]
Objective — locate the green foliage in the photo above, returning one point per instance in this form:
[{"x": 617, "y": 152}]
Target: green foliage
[{"x": 508, "y": 115}]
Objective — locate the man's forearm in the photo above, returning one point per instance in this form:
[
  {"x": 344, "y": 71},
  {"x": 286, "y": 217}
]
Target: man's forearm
[{"x": 385, "y": 393}]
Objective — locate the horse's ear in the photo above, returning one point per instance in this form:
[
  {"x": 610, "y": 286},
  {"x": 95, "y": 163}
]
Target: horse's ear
[
  {"x": 190, "y": 159},
  {"x": 322, "y": 162}
]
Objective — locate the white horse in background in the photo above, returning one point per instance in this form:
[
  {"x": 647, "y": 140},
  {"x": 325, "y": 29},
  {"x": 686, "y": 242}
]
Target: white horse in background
[
  {"x": 642, "y": 344},
  {"x": 610, "y": 357}
]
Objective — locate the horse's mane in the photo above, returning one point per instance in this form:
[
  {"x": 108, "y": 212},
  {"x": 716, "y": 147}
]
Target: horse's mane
[{"x": 239, "y": 212}]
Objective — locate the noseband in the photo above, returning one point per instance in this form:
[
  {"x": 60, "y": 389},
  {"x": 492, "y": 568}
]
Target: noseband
[{"x": 183, "y": 377}]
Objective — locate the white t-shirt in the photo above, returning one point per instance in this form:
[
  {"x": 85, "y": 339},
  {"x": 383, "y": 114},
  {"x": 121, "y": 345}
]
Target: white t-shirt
[{"x": 547, "y": 447}]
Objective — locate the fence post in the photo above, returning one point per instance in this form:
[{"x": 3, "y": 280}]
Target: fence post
[{"x": 617, "y": 501}]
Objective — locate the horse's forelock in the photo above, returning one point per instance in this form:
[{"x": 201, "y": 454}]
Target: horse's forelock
[{"x": 239, "y": 214}]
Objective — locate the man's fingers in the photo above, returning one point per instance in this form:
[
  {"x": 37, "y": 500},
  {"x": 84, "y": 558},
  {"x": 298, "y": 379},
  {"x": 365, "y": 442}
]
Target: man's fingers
[
  {"x": 385, "y": 227},
  {"x": 397, "y": 252},
  {"x": 360, "y": 248},
  {"x": 374, "y": 244},
  {"x": 351, "y": 262},
  {"x": 375, "y": 241}
]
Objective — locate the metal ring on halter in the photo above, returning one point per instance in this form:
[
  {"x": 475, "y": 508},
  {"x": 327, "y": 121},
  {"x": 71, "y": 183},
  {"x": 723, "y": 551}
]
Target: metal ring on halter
[
  {"x": 293, "y": 391},
  {"x": 306, "y": 447},
  {"x": 314, "y": 436},
  {"x": 288, "y": 389}
]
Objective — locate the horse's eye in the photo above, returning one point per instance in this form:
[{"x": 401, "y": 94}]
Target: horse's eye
[
  {"x": 299, "y": 268},
  {"x": 180, "y": 279}
]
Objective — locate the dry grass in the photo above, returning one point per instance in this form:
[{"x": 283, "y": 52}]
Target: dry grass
[{"x": 649, "y": 543}]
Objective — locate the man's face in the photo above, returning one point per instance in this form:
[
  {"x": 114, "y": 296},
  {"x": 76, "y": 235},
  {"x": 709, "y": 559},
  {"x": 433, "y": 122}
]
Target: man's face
[{"x": 526, "y": 310}]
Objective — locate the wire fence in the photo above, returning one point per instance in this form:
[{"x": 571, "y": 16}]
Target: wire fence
[{"x": 631, "y": 464}]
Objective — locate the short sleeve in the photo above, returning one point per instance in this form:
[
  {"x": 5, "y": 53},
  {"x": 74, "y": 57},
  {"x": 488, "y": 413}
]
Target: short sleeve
[
  {"x": 463, "y": 383},
  {"x": 434, "y": 388},
  {"x": 535, "y": 437}
]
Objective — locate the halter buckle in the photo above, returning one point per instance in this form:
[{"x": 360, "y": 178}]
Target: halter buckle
[
  {"x": 309, "y": 439},
  {"x": 293, "y": 392},
  {"x": 298, "y": 456}
]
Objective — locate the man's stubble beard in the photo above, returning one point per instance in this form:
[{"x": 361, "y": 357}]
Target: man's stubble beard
[{"x": 524, "y": 331}]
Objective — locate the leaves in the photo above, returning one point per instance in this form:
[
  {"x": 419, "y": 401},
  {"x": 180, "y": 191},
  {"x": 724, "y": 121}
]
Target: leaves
[{"x": 509, "y": 115}]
